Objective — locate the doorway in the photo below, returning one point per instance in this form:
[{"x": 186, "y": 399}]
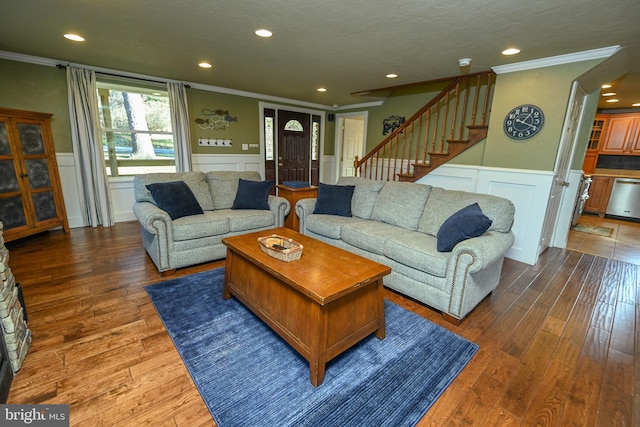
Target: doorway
[
  {"x": 351, "y": 129},
  {"x": 560, "y": 186},
  {"x": 292, "y": 145}
]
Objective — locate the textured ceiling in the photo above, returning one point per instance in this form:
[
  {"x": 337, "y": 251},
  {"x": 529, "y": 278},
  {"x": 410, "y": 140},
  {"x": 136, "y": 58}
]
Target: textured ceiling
[{"x": 346, "y": 46}]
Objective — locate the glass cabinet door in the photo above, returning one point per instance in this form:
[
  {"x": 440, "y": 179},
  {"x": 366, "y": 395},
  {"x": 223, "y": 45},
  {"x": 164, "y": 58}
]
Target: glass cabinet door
[
  {"x": 12, "y": 209},
  {"x": 36, "y": 163}
]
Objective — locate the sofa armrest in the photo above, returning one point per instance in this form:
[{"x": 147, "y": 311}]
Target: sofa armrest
[
  {"x": 153, "y": 219},
  {"x": 484, "y": 250},
  {"x": 304, "y": 207},
  {"x": 280, "y": 208}
]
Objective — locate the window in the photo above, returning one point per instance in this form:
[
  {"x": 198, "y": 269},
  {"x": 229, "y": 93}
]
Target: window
[
  {"x": 294, "y": 126},
  {"x": 136, "y": 128},
  {"x": 268, "y": 138}
]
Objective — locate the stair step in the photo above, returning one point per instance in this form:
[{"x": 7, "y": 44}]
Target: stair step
[{"x": 456, "y": 141}]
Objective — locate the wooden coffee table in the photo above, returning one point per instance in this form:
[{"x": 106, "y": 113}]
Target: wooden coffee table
[{"x": 321, "y": 304}]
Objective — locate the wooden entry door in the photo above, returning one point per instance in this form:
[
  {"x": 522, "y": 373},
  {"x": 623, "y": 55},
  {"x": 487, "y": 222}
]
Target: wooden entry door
[{"x": 295, "y": 157}]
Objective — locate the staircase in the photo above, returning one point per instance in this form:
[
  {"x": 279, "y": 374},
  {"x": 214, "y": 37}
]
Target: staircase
[{"x": 449, "y": 124}]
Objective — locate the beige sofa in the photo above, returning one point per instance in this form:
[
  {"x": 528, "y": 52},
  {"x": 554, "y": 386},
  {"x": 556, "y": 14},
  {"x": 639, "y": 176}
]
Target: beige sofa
[
  {"x": 399, "y": 224},
  {"x": 194, "y": 239}
]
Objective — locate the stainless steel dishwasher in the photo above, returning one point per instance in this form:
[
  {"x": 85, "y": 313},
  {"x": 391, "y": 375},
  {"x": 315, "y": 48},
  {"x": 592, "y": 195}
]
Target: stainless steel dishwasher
[{"x": 625, "y": 198}]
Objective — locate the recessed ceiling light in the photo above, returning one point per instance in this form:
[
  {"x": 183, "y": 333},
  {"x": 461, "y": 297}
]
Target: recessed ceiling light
[
  {"x": 392, "y": 76},
  {"x": 322, "y": 89},
  {"x": 263, "y": 33},
  {"x": 606, "y": 86},
  {"x": 511, "y": 51},
  {"x": 613, "y": 100},
  {"x": 608, "y": 94},
  {"x": 205, "y": 65},
  {"x": 74, "y": 37}
]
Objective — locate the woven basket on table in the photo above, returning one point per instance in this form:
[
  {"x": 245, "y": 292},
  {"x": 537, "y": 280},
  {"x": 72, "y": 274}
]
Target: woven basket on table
[{"x": 280, "y": 247}]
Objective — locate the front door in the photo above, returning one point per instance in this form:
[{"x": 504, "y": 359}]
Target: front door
[{"x": 295, "y": 157}]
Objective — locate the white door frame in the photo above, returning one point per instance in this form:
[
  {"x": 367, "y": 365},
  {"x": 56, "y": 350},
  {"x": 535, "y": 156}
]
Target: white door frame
[
  {"x": 339, "y": 134},
  {"x": 560, "y": 189}
]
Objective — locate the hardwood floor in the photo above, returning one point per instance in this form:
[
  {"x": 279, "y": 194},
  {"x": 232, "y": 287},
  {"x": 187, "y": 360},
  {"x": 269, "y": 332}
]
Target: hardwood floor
[
  {"x": 621, "y": 245},
  {"x": 558, "y": 340}
]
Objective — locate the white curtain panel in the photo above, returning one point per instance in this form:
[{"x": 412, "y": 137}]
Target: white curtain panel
[
  {"x": 91, "y": 175},
  {"x": 180, "y": 125}
]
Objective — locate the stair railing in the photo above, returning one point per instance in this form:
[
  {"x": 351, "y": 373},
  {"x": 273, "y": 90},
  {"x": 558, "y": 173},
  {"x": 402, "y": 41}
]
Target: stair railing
[{"x": 426, "y": 140}]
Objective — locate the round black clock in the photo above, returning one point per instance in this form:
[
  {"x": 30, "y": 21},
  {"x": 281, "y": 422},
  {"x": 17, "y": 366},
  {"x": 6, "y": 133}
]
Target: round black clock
[{"x": 523, "y": 122}]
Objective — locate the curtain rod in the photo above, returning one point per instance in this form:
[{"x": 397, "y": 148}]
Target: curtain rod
[{"x": 63, "y": 67}]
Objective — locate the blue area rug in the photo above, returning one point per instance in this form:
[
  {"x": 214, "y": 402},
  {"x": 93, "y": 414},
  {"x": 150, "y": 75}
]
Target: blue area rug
[{"x": 248, "y": 376}]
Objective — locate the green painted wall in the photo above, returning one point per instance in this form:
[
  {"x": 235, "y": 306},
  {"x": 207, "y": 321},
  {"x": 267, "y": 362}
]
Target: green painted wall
[
  {"x": 246, "y": 130},
  {"x": 33, "y": 87},
  {"x": 38, "y": 88},
  {"x": 549, "y": 89},
  {"x": 43, "y": 88}
]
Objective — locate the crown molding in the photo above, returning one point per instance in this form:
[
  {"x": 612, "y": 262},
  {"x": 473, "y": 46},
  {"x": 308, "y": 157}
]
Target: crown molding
[
  {"x": 49, "y": 62},
  {"x": 557, "y": 60}
]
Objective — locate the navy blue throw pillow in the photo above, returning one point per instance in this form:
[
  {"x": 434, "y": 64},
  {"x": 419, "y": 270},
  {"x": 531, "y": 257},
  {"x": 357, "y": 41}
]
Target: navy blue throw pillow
[
  {"x": 466, "y": 223},
  {"x": 175, "y": 198},
  {"x": 252, "y": 195},
  {"x": 334, "y": 199}
]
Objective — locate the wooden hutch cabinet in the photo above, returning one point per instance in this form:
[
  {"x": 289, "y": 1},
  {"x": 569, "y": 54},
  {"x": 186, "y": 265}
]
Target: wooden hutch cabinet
[
  {"x": 30, "y": 192},
  {"x": 622, "y": 135}
]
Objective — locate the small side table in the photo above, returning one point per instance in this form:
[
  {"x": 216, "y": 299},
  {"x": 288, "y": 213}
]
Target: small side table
[{"x": 293, "y": 195}]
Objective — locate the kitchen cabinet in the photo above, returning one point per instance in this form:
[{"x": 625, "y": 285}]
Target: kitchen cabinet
[
  {"x": 590, "y": 162},
  {"x": 594, "y": 143},
  {"x": 622, "y": 135},
  {"x": 30, "y": 192},
  {"x": 599, "y": 192},
  {"x": 597, "y": 132}
]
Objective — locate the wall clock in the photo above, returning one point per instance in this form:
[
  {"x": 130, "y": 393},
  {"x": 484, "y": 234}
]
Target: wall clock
[{"x": 523, "y": 122}]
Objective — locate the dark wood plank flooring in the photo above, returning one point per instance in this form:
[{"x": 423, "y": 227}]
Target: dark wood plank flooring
[{"x": 558, "y": 340}]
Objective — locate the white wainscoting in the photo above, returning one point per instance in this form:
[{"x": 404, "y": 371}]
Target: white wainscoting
[
  {"x": 528, "y": 191},
  {"x": 122, "y": 197},
  {"x": 67, "y": 172}
]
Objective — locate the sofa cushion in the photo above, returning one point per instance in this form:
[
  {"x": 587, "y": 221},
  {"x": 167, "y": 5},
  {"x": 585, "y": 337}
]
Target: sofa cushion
[
  {"x": 417, "y": 250},
  {"x": 468, "y": 222},
  {"x": 175, "y": 198},
  {"x": 195, "y": 180},
  {"x": 334, "y": 200},
  {"x": 210, "y": 224},
  {"x": 364, "y": 195},
  {"x": 252, "y": 195},
  {"x": 401, "y": 204},
  {"x": 368, "y": 235},
  {"x": 248, "y": 219},
  {"x": 444, "y": 203},
  {"x": 223, "y": 186},
  {"x": 328, "y": 225}
]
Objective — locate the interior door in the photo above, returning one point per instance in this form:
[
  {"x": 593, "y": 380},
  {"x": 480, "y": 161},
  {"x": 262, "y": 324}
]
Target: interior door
[
  {"x": 352, "y": 142},
  {"x": 563, "y": 164},
  {"x": 294, "y": 146}
]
